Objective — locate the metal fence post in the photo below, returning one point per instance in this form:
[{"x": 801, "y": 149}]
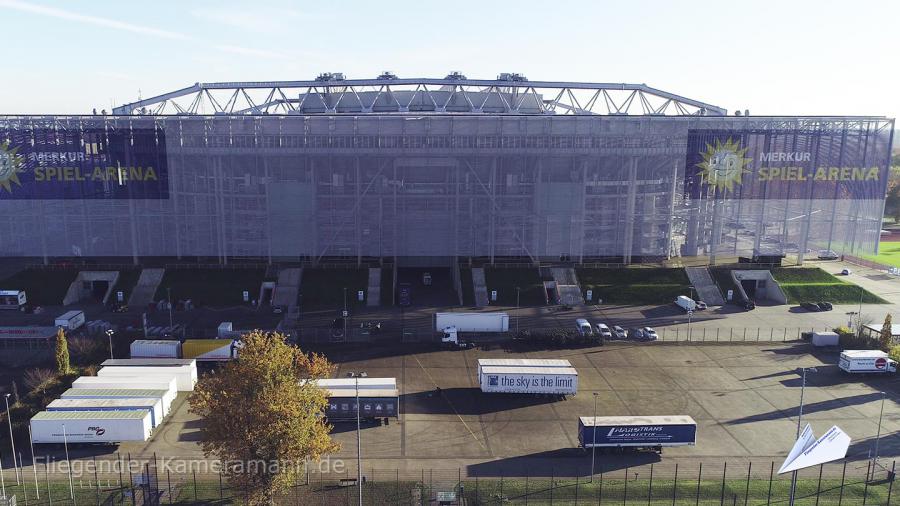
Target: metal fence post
[
  {"x": 745, "y": 334},
  {"x": 600, "y": 493},
  {"x": 96, "y": 478},
  {"x": 476, "y": 489},
  {"x": 697, "y": 495},
  {"x": 819, "y": 485},
  {"x": 552, "y": 484},
  {"x": 843, "y": 475},
  {"x": 221, "y": 492},
  {"x": 730, "y": 333},
  {"x": 891, "y": 484},
  {"x": 724, "y": 470},
  {"x": 625, "y": 496},
  {"x": 576, "y": 488},
  {"x": 501, "y": 486},
  {"x": 866, "y": 488},
  {"x": 650, "y": 487},
  {"x": 757, "y": 334},
  {"x": 675, "y": 485},
  {"x": 195, "y": 484},
  {"x": 747, "y": 486},
  {"x": 526, "y": 488},
  {"x": 169, "y": 483}
]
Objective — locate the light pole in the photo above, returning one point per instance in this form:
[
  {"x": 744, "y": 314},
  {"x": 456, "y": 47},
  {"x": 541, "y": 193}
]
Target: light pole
[
  {"x": 12, "y": 442},
  {"x": 344, "y": 315},
  {"x": 799, "y": 417},
  {"x": 878, "y": 435},
  {"x": 171, "y": 319},
  {"x": 594, "y": 437},
  {"x": 358, "y": 441},
  {"x": 517, "y": 308},
  {"x": 109, "y": 334}
]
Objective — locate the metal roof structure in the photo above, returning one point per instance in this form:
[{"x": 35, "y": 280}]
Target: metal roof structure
[{"x": 331, "y": 93}]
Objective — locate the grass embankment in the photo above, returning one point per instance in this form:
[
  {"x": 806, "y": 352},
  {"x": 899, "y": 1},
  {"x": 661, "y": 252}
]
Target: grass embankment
[
  {"x": 814, "y": 284},
  {"x": 44, "y": 287},
  {"x": 211, "y": 287},
  {"x": 325, "y": 287},
  {"x": 505, "y": 281},
  {"x": 634, "y": 285}
]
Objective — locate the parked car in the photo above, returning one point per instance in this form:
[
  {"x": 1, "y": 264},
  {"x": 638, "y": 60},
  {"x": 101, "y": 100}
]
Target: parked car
[
  {"x": 619, "y": 332},
  {"x": 824, "y": 306},
  {"x": 846, "y": 272},
  {"x": 650, "y": 334},
  {"x": 827, "y": 254},
  {"x": 636, "y": 334},
  {"x": 603, "y": 331},
  {"x": 700, "y": 305},
  {"x": 749, "y": 305},
  {"x": 810, "y": 306}
]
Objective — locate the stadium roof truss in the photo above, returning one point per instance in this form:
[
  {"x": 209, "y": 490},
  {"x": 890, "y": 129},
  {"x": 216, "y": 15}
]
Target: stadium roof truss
[{"x": 453, "y": 94}]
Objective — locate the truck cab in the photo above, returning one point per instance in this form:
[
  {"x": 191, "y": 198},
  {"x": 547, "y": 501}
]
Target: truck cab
[{"x": 450, "y": 339}]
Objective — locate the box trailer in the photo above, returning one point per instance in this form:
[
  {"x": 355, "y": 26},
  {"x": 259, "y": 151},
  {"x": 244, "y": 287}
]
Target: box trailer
[
  {"x": 155, "y": 348},
  {"x": 71, "y": 320},
  {"x": 472, "y": 322},
  {"x": 529, "y": 380},
  {"x": 547, "y": 363},
  {"x": 653, "y": 432},
  {"x": 209, "y": 350},
  {"x": 374, "y": 403},
  {"x": 95, "y": 382},
  {"x": 685, "y": 303},
  {"x": 185, "y": 376},
  {"x": 12, "y": 299},
  {"x": 119, "y": 393},
  {"x": 825, "y": 339},
  {"x": 90, "y": 426},
  {"x": 364, "y": 383},
  {"x": 866, "y": 361},
  {"x": 151, "y": 404}
]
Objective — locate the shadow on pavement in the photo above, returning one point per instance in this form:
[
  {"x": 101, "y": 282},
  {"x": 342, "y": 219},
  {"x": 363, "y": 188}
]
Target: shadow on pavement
[{"x": 564, "y": 462}]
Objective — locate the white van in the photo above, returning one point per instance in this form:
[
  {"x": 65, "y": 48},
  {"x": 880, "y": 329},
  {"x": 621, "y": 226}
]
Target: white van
[
  {"x": 603, "y": 331},
  {"x": 686, "y": 303},
  {"x": 583, "y": 327}
]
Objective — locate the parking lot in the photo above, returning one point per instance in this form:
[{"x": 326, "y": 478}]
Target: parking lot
[{"x": 743, "y": 397}]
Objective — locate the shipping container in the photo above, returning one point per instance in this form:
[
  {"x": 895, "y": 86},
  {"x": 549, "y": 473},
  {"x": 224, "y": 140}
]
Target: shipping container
[
  {"x": 119, "y": 393},
  {"x": 209, "y": 350},
  {"x": 154, "y": 405},
  {"x": 549, "y": 363},
  {"x": 825, "y": 339},
  {"x": 185, "y": 376},
  {"x": 90, "y": 426},
  {"x": 149, "y": 348},
  {"x": 148, "y": 362},
  {"x": 866, "y": 361},
  {"x": 71, "y": 320},
  {"x": 472, "y": 322},
  {"x": 653, "y": 432},
  {"x": 529, "y": 380},
  {"x": 375, "y": 403},
  {"x": 96, "y": 382}
]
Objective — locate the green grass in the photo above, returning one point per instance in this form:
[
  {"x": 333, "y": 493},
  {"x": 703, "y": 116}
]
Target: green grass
[
  {"x": 211, "y": 287},
  {"x": 325, "y": 287},
  {"x": 723, "y": 280},
  {"x": 643, "y": 286},
  {"x": 814, "y": 284},
  {"x": 888, "y": 254},
  {"x": 505, "y": 281},
  {"x": 44, "y": 287}
]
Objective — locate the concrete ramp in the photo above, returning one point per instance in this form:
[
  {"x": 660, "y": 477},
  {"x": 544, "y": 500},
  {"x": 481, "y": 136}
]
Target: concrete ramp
[
  {"x": 145, "y": 290},
  {"x": 287, "y": 287},
  {"x": 77, "y": 291},
  {"x": 567, "y": 286},
  {"x": 706, "y": 288},
  {"x": 373, "y": 297},
  {"x": 480, "y": 287}
]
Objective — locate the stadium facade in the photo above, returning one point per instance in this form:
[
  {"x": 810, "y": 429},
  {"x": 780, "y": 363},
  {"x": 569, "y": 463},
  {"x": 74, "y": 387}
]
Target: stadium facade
[{"x": 426, "y": 170}]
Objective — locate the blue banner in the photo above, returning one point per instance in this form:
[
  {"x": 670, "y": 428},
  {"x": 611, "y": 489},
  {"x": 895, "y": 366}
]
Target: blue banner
[
  {"x": 88, "y": 164},
  {"x": 774, "y": 164}
]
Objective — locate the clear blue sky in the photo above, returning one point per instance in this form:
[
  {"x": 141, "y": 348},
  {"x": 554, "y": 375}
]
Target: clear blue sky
[{"x": 772, "y": 57}]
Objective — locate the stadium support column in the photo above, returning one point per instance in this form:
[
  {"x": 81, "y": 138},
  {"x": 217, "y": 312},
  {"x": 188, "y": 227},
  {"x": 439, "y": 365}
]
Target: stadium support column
[
  {"x": 583, "y": 226},
  {"x": 628, "y": 240},
  {"x": 670, "y": 233},
  {"x": 358, "y": 213},
  {"x": 492, "y": 209}
]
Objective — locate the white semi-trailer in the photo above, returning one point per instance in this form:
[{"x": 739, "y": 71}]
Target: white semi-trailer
[
  {"x": 529, "y": 380},
  {"x": 119, "y": 393},
  {"x": 364, "y": 383},
  {"x": 472, "y": 322},
  {"x": 547, "y": 363},
  {"x": 653, "y": 432},
  {"x": 866, "y": 361},
  {"x": 185, "y": 376},
  {"x": 71, "y": 320},
  {"x": 155, "y": 348},
  {"x": 95, "y": 382},
  {"x": 153, "y": 405},
  {"x": 90, "y": 426}
]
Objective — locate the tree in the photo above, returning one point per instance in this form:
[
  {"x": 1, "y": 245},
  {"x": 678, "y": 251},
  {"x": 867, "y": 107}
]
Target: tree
[
  {"x": 887, "y": 337},
  {"x": 62, "y": 352},
  {"x": 261, "y": 419}
]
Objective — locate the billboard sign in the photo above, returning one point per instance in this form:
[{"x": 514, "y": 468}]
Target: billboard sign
[
  {"x": 775, "y": 164},
  {"x": 83, "y": 164}
]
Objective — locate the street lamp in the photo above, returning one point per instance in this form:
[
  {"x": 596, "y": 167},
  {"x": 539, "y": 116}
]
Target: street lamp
[
  {"x": 878, "y": 435},
  {"x": 356, "y": 376},
  {"x": 799, "y": 417},
  {"x": 594, "y": 437},
  {"x": 517, "y": 308},
  {"x": 344, "y": 315},
  {"x": 12, "y": 442},
  {"x": 109, "y": 334}
]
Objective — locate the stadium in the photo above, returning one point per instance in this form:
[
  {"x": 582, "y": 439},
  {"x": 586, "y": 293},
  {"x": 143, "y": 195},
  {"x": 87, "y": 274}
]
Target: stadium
[{"x": 424, "y": 172}]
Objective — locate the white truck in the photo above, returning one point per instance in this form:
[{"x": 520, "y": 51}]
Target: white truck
[
  {"x": 686, "y": 303},
  {"x": 71, "y": 320},
  {"x": 866, "y": 361},
  {"x": 450, "y": 325}
]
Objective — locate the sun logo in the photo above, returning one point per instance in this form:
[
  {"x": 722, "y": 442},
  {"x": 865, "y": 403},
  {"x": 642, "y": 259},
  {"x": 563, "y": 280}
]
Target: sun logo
[
  {"x": 724, "y": 165},
  {"x": 10, "y": 166}
]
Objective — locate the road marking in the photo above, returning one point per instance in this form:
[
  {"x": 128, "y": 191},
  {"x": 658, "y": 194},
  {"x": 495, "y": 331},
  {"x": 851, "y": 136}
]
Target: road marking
[{"x": 451, "y": 406}]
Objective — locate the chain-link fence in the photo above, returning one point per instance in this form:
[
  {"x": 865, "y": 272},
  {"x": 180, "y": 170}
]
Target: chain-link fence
[{"x": 685, "y": 483}]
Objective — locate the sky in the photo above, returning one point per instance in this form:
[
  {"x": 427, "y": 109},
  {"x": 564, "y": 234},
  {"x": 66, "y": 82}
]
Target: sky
[{"x": 771, "y": 57}]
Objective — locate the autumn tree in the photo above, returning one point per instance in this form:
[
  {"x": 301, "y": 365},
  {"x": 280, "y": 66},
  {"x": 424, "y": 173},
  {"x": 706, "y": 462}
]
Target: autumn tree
[
  {"x": 260, "y": 418},
  {"x": 62, "y": 352},
  {"x": 887, "y": 336}
]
